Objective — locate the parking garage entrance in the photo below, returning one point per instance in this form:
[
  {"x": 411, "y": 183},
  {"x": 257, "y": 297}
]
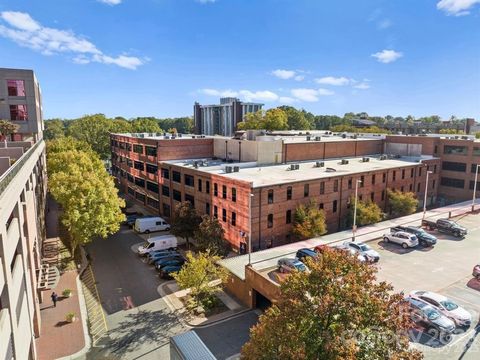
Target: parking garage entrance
[{"x": 260, "y": 301}]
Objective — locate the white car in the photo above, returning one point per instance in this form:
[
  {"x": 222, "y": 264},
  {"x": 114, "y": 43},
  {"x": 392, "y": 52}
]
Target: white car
[
  {"x": 364, "y": 250},
  {"x": 402, "y": 238},
  {"x": 445, "y": 306},
  {"x": 352, "y": 252}
]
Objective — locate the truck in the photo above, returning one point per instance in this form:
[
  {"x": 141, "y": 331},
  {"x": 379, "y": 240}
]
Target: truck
[{"x": 446, "y": 226}]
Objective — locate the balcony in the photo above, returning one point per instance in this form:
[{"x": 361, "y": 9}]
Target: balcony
[
  {"x": 13, "y": 237},
  {"x": 5, "y": 330}
]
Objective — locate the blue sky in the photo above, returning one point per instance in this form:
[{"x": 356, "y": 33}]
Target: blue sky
[{"x": 156, "y": 57}]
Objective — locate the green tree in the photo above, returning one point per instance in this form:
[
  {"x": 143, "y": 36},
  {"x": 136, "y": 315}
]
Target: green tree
[
  {"x": 401, "y": 203},
  {"x": 272, "y": 119},
  {"x": 202, "y": 276},
  {"x": 120, "y": 125},
  {"x": 296, "y": 119},
  {"x": 8, "y": 128},
  {"x": 251, "y": 121},
  {"x": 54, "y": 129},
  {"x": 148, "y": 125},
  {"x": 368, "y": 212},
  {"x": 336, "y": 311},
  {"x": 211, "y": 236},
  {"x": 309, "y": 221},
  {"x": 185, "y": 221}
]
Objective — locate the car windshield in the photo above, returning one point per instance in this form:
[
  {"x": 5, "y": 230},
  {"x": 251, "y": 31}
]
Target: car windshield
[
  {"x": 431, "y": 313},
  {"x": 365, "y": 247},
  {"x": 449, "y": 305},
  {"x": 300, "y": 267}
]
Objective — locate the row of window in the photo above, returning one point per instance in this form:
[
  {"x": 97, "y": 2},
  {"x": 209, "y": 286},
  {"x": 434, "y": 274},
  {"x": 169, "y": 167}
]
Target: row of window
[
  {"x": 16, "y": 87},
  {"x": 460, "y": 150},
  {"x": 457, "y": 166},
  {"x": 137, "y": 148},
  {"x": 141, "y": 197}
]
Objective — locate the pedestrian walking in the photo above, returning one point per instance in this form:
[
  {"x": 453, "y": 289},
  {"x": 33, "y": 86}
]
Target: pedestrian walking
[{"x": 54, "y": 297}]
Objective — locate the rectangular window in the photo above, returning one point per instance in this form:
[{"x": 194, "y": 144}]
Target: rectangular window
[
  {"x": 234, "y": 194},
  {"x": 473, "y": 169},
  {"x": 383, "y": 195},
  {"x": 131, "y": 191},
  {"x": 165, "y": 191},
  {"x": 451, "y": 182},
  {"x": 189, "y": 180},
  {"x": 166, "y": 209},
  {"x": 418, "y": 187},
  {"x": 320, "y": 206},
  {"x": 373, "y": 179},
  {"x": 138, "y": 149},
  {"x": 384, "y": 178},
  {"x": 454, "y": 166},
  {"x": 207, "y": 187},
  {"x": 334, "y": 206},
  {"x": 224, "y": 191},
  {"x": 152, "y": 187},
  {"x": 152, "y": 203},
  {"x": 288, "y": 217},
  {"x": 435, "y": 150},
  {"x": 207, "y": 208},
  {"x": 322, "y": 188},
  {"x": 270, "y": 197},
  {"x": 234, "y": 219},
  {"x": 335, "y": 186},
  {"x": 435, "y": 169},
  {"x": 350, "y": 182},
  {"x": 215, "y": 189},
  {"x": 151, "y": 169},
  {"x": 455, "y": 150},
  {"x": 403, "y": 173},
  {"x": 372, "y": 196},
  {"x": 224, "y": 215},
  {"x": 176, "y": 176},
  {"x": 270, "y": 221},
  {"x": 128, "y": 146},
  {"x": 362, "y": 181},
  {"x": 419, "y": 171},
  {"x": 472, "y": 183},
  {"x": 289, "y": 193},
  {"x": 476, "y": 151},
  {"x": 130, "y": 178},
  {"x": 394, "y": 175},
  {"x": 16, "y": 87},
  {"x": 139, "y": 165},
  {"x": 129, "y": 163},
  {"x": 199, "y": 185},
  {"x": 18, "y": 112},
  {"x": 411, "y": 187},
  {"x": 140, "y": 197},
  {"x": 401, "y": 188},
  {"x": 411, "y": 172},
  {"x": 215, "y": 211},
  {"x": 151, "y": 151},
  {"x": 306, "y": 190},
  {"x": 140, "y": 182},
  {"x": 165, "y": 173},
  {"x": 433, "y": 184},
  {"x": 177, "y": 195},
  {"x": 190, "y": 199}
]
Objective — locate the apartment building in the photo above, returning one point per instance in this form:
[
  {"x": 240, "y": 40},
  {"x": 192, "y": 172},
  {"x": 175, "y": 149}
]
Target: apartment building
[
  {"x": 22, "y": 225},
  {"x": 221, "y": 119}
]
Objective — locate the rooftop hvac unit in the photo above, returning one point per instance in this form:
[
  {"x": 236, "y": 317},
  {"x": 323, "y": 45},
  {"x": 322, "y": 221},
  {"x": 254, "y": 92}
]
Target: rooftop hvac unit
[
  {"x": 318, "y": 138},
  {"x": 201, "y": 163},
  {"x": 228, "y": 169},
  {"x": 397, "y": 156},
  {"x": 365, "y": 159},
  {"x": 319, "y": 164},
  {"x": 173, "y": 137},
  {"x": 195, "y": 164},
  {"x": 329, "y": 169},
  {"x": 383, "y": 157},
  {"x": 166, "y": 137},
  {"x": 344, "y": 161},
  {"x": 297, "y": 166},
  {"x": 179, "y": 135},
  {"x": 236, "y": 168},
  {"x": 193, "y": 136},
  {"x": 294, "y": 166},
  {"x": 308, "y": 137}
]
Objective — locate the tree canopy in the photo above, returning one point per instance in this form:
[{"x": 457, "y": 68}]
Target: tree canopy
[
  {"x": 185, "y": 221},
  {"x": 401, "y": 203},
  {"x": 273, "y": 119},
  {"x": 211, "y": 236},
  {"x": 309, "y": 221},
  {"x": 7, "y": 128},
  {"x": 368, "y": 212}
]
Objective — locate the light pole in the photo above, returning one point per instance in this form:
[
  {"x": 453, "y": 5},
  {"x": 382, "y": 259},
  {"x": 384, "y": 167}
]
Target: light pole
[
  {"x": 475, "y": 187},
  {"x": 354, "y": 228},
  {"x": 250, "y": 229},
  {"x": 425, "y": 196}
]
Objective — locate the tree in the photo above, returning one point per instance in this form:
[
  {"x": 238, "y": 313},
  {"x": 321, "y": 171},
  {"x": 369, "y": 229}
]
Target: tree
[
  {"x": 202, "y": 276},
  {"x": 402, "y": 203},
  {"x": 185, "y": 221},
  {"x": 272, "y": 119},
  {"x": 296, "y": 119},
  {"x": 7, "y": 128},
  {"x": 309, "y": 221},
  {"x": 251, "y": 121},
  {"x": 54, "y": 129},
  {"x": 211, "y": 236},
  {"x": 337, "y": 311},
  {"x": 148, "y": 125},
  {"x": 368, "y": 212}
]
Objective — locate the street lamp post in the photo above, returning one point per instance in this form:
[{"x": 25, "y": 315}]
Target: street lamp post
[
  {"x": 425, "y": 196},
  {"x": 354, "y": 228},
  {"x": 250, "y": 229},
  {"x": 475, "y": 188}
]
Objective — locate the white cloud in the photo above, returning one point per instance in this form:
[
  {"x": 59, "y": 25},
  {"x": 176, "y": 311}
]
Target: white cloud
[
  {"x": 335, "y": 81},
  {"x": 310, "y": 95},
  {"x": 26, "y": 32},
  {"x": 284, "y": 74},
  {"x": 219, "y": 93},
  {"x": 111, "y": 2},
  {"x": 325, "y": 92},
  {"x": 247, "y": 95},
  {"x": 456, "y": 7},
  {"x": 362, "y": 86},
  {"x": 299, "y": 78},
  {"x": 286, "y": 100},
  {"x": 384, "y": 24},
  {"x": 387, "y": 56}
]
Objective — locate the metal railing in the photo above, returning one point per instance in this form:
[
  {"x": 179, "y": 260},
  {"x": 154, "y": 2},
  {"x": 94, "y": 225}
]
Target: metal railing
[{"x": 10, "y": 174}]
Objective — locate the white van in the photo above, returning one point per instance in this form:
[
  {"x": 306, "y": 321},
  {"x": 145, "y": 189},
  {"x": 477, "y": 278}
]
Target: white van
[
  {"x": 151, "y": 224},
  {"x": 164, "y": 242}
]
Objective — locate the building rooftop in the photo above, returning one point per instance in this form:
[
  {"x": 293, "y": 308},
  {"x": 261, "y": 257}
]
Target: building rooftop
[
  {"x": 168, "y": 136},
  {"x": 268, "y": 175}
]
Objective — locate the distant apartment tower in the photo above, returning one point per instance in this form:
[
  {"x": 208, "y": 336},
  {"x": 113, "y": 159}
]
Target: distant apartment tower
[
  {"x": 222, "y": 119},
  {"x": 22, "y": 209}
]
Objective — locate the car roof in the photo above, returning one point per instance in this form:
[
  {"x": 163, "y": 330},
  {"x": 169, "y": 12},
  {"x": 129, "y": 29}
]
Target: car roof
[
  {"x": 307, "y": 251},
  {"x": 433, "y": 296}
]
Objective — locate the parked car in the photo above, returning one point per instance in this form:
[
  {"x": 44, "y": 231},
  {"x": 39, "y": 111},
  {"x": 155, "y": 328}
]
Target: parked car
[
  {"x": 445, "y": 306},
  {"x": 446, "y": 226},
  {"x": 167, "y": 271},
  {"x": 168, "y": 257},
  {"x": 151, "y": 258},
  {"x": 165, "y": 242},
  {"x": 363, "y": 249},
  {"x": 130, "y": 221},
  {"x": 351, "y": 252},
  {"x": 168, "y": 262},
  {"x": 287, "y": 265},
  {"x": 476, "y": 271},
  {"x": 146, "y": 225},
  {"x": 427, "y": 316},
  {"x": 305, "y": 253},
  {"x": 424, "y": 238},
  {"x": 402, "y": 238}
]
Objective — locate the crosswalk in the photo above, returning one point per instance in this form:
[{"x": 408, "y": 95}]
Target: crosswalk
[{"x": 96, "y": 317}]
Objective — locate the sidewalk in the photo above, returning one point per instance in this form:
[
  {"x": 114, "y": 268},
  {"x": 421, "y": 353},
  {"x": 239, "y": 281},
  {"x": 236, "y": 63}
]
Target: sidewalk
[{"x": 58, "y": 338}]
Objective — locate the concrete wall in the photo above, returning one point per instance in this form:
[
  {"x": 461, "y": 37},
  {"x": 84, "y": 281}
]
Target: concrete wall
[
  {"x": 12, "y": 152},
  {"x": 403, "y": 149},
  {"x": 265, "y": 150},
  {"x": 4, "y": 164}
]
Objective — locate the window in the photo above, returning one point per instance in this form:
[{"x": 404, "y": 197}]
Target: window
[
  {"x": 16, "y": 87},
  {"x": 140, "y": 196},
  {"x": 411, "y": 172},
  {"x": 270, "y": 197},
  {"x": 234, "y": 219},
  {"x": 165, "y": 173},
  {"x": 139, "y": 165},
  {"x": 151, "y": 151},
  {"x": 177, "y": 195},
  {"x": 362, "y": 181},
  {"x": 151, "y": 169},
  {"x": 455, "y": 150},
  {"x": 350, "y": 183},
  {"x": 176, "y": 176},
  {"x": 451, "y": 182},
  {"x": 189, "y": 180},
  {"x": 207, "y": 187},
  {"x": 207, "y": 208},
  {"x": 401, "y": 188},
  {"x": 289, "y": 193},
  {"x": 131, "y": 191},
  {"x": 140, "y": 182},
  {"x": 403, "y": 173},
  {"x": 129, "y": 146},
  {"x": 394, "y": 175},
  {"x": 306, "y": 190},
  {"x": 190, "y": 199},
  {"x": 130, "y": 178},
  {"x": 320, "y": 206},
  {"x": 472, "y": 185},
  {"x": 165, "y": 191},
  {"x": 288, "y": 217},
  {"x": 419, "y": 171},
  {"x": 454, "y": 166},
  {"x": 335, "y": 186},
  {"x": 152, "y": 186},
  {"x": 383, "y": 195},
  {"x": 215, "y": 189},
  {"x": 435, "y": 150},
  {"x": 410, "y": 187},
  {"x": 129, "y": 162},
  {"x": 334, "y": 206},
  {"x": 372, "y": 196},
  {"x": 435, "y": 168},
  {"x": 476, "y": 151},
  {"x": 270, "y": 221},
  {"x": 373, "y": 179},
  {"x": 199, "y": 185},
  {"x": 224, "y": 215},
  {"x": 360, "y": 197},
  {"x": 234, "y": 194},
  {"x": 224, "y": 192},
  {"x": 18, "y": 112},
  {"x": 138, "y": 149},
  {"x": 322, "y": 188},
  {"x": 433, "y": 184},
  {"x": 215, "y": 211},
  {"x": 473, "y": 169},
  {"x": 384, "y": 178},
  {"x": 166, "y": 210},
  {"x": 152, "y": 203},
  {"x": 418, "y": 187}
]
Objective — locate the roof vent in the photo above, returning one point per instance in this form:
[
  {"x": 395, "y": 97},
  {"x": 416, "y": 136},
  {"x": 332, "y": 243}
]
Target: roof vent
[
  {"x": 236, "y": 168},
  {"x": 166, "y": 137},
  {"x": 195, "y": 164},
  {"x": 309, "y": 137},
  {"x": 318, "y": 138},
  {"x": 294, "y": 166},
  {"x": 329, "y": 169},
  {"x": 365, "y": 159},
  {"x": 193, "y": 136},
  {"x": 228, "y": 169},
  {"x": 397, "y": 156},
  {"x": 344, "y": 162},
  {"x": 319, "y": 164}
]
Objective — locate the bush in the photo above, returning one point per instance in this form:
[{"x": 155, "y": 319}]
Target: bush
[{"x": 67, "y": 292}]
